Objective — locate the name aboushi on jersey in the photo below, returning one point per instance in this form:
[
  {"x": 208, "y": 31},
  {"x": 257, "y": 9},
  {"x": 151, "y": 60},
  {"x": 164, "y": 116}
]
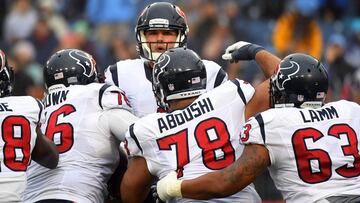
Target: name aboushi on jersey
[{"x": 195, "y": 110}]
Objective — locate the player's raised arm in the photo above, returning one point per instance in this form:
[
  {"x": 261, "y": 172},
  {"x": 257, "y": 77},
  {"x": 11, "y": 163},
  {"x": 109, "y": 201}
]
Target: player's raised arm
[{"x": 247, "y": 51}]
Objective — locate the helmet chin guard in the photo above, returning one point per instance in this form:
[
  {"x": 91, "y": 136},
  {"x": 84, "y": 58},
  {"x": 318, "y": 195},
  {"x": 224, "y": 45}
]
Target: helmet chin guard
[
  {"x": 6, "y": 76},
  {"x": 160, "y": 16}
]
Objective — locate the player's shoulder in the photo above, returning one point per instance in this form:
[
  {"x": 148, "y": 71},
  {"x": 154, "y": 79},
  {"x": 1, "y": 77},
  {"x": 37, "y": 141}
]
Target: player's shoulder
[
  {"x": 149, "y": 120},
  {"x": 211, "y": 65},
  {"x": 148, "y": 123},
  {"x": 343, "y": 103},
  {"x": 27, "y": 106},
  {"x": 28, "y": 101},
  {"x": 111, "y": 96},
  {"x": 238, "y": 88},
  {"x": 123, "y": 66},
  {"x": 129, "y": 63},
  {"x": 343, "y": 107}
]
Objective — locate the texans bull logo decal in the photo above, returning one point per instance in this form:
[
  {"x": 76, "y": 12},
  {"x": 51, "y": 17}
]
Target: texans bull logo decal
[
  {"x": 285, "y": 73},
  {"x": 84, "y": 60},
  {"x": 163, "y": 61}
]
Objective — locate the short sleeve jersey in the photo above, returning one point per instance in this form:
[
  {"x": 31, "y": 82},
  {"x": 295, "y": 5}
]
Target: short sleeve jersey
[
  {"x": 198, "y": 139},
  {"x": 134, "y": 78},
  {"x": 88, "y": 153},
  {"x": 314, "y": 153},
  {"x": 19, "y": 117}
]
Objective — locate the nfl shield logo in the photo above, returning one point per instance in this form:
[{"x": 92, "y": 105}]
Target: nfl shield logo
[{"x": 171, "y": 87}]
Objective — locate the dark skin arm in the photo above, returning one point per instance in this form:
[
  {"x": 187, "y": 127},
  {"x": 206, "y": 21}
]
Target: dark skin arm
[
  {"x": 260, "y": 100},
  {"x": 230, "y": 180},
  {"x": 45, "y": 152},
  {"x": 136, "y": 182},
  {"x": 268, "y": 62}
]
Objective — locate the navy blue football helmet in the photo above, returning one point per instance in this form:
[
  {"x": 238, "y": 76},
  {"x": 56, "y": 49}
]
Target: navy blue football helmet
[
  {"x": 6, "y": 76},
  {"x": 70, "y": 67},
  {"x": 177, "y": 74},
  {"x": 300, "y": 81},
  {"x": 160, "y": 16}
]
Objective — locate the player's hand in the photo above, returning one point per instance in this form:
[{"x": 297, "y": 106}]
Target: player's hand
[
  {"x": 169, "y": 186},
  {"x": 241, "y": 51}
]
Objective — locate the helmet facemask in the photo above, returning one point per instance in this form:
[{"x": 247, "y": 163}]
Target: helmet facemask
[
  {"x": 145, "y": 47},
  {"x": 6, "y": 76},
  {"x": 160, "y": 16},
  {"x": 158, "y": 89},
  {"x": 6, "y": 81}
]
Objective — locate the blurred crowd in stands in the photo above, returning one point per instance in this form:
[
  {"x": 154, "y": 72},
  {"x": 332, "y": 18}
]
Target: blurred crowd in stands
[{"x": 32, "y": 30}]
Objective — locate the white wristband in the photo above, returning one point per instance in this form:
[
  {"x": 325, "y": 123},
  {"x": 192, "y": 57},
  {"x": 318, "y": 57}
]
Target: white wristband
[{"x": 169, "y": 186}]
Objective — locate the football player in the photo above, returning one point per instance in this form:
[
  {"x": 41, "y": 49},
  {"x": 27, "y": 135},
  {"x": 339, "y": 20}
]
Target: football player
[
  {"x": 310, "y": 148},
  {"x": 199, "y": 134},
  {"x": 86, "y": 120},
  {"x": 161, "y": 26},
  {"x": 21, "y": 138}
]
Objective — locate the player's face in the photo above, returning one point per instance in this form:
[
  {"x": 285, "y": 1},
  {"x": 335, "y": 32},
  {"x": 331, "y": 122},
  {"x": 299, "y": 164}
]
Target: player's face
[{"x": 160, "y": 40}]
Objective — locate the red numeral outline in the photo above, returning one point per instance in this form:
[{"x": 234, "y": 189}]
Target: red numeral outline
[
  {"x": 66, "y": 130},
  {"x": 208, "y": 147},
  {"x": 303, "y": 155},
  {"x": 12, "y": 142}
]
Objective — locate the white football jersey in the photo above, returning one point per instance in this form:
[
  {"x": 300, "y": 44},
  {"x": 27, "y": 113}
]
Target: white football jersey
[
  {"x": 88, "y": 153},
  {"x": 198, "y": 139},
  {"x": 314, "y": 153},
  {"x": 134, "y": 78},
  {"x": 19, "y": 116}
]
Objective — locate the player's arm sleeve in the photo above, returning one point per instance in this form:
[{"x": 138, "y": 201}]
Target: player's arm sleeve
[
  {"x": 215, "y": 74},
  {"x": 140, "y": 142},
  {"x": 117, "y": 121},
  {"x": 132, "y": 143},
  {"x": 111, "y": 97},
  {"x": 254, "y": 132},
  {"x": 111, "y": 75},
  {"x": 41, "y": 116},
  {"x": 221, "y": 77},
  {"x": 244, "y": 89}
]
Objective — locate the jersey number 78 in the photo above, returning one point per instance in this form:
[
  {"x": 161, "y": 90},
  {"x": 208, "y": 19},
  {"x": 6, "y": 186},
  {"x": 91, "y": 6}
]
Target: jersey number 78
[{"x": 207, "y": 146}]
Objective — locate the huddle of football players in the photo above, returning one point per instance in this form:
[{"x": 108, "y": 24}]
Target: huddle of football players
[{"x": 184, "y": 125}]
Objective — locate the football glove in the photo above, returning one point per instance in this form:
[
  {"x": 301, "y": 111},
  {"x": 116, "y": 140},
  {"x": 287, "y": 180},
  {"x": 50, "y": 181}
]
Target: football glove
[
  {"x": 241, "y": 51},
  {"x": 169, "y": 186}
]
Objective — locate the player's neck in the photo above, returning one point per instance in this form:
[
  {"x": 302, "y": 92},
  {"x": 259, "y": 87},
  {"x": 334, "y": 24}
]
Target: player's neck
[{"x": 180, "y": 103}]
